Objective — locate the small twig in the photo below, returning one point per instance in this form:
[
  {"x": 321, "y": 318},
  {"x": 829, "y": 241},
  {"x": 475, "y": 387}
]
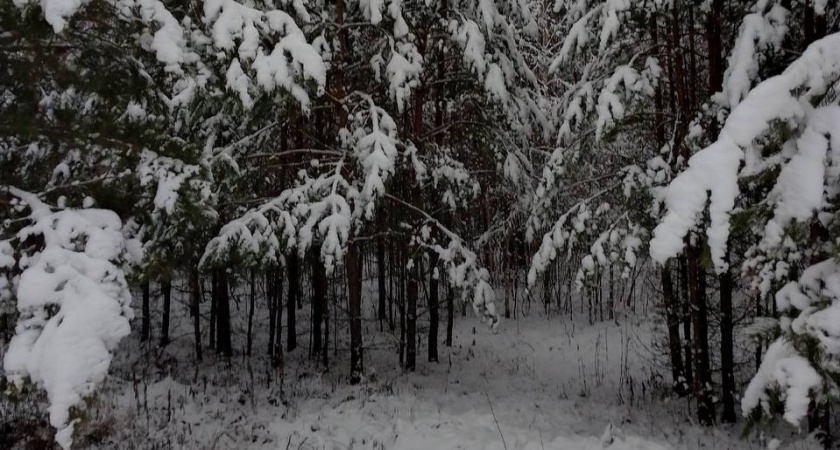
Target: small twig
[{"x": 499, "y": 427}]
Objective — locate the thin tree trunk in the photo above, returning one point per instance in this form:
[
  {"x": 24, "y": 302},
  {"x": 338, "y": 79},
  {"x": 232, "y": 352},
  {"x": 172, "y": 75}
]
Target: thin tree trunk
[
  {"x": 433, "y": 309},
  {"x": 380, "y": 276},
  {"x": 195, "y": 292},
  {"x": 673, "y": 322},
  {"x": 450, "y": 315},
  {"x": 251, "y": 303},
  {"x": 214, "y": 302},
  {"x": 411, "y": 317},
  {"x": 294, "y": 292},
  {"x": 166, "y": 288},
  {"x": 270, "y": 282},
  {"x": 319, "y": 291},
  {"x": 146, "y": 326},
  {"x": 727, "y": 359},
  {"x": 278, "y": 307},
  {"x": 686, "y": 317},
  {"x": 353, "y": 266},
  {"x": 223, "y": 342}
]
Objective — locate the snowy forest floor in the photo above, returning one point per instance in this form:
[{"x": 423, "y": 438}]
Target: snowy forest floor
[{"x": 535, "y": 383}]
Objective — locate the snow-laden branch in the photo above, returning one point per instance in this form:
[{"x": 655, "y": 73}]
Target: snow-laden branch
[{"x": 712, "y": 173}]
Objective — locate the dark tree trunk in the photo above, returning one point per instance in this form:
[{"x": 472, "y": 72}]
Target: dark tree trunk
[
  {"x": 686, "y": 317},
  {"x": 319, "y": 298},
  {"x": 146, "y": 325},
  {"x": 166, "y": 288},
  {"x": 697, "y": 295},
  {"x": 195, "y": 299},
  {"x": 251, "y": 301},
  {"x": 380, "y": 276},
  {"x": 450, "y": 315},
  {"x": 673, "y": 322},
  {"x": 433, "y": 309},
  {"x": 727, "y": 359},
  {"x": 278, "y": 308},
  {"x": 353, "y": 266},
  {"x": 411, "y": 317},
  {"x": 214, "y": 302},
  {"x": 272, "y": 311},
  {"x": 611, "y": 302},
  {"x": 223, "y": 343},
  {"x": 294, "y": 292}
]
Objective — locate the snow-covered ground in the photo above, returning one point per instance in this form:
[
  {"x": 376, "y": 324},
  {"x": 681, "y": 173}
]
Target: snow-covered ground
[{"x": 534, "y": 383}]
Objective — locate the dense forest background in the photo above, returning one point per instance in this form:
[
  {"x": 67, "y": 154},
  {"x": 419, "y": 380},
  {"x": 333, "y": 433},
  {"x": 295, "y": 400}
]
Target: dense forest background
[{"x": 259, "y": 192}]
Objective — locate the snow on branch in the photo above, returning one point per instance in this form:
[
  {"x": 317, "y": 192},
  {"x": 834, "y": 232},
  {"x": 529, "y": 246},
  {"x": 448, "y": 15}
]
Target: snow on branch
[{"x": 712, "y": 173}]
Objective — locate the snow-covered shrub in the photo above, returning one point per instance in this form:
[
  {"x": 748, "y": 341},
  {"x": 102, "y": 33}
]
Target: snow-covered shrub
[{"x": 73, "y": 302}]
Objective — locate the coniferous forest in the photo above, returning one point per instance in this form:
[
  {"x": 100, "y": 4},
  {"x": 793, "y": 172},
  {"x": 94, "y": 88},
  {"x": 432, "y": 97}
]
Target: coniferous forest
[{"x": 420, "y": 224}]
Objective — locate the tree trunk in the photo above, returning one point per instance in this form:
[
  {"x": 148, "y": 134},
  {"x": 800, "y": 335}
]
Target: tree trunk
[
  {"x": 411, "y": 317},
  {"x": 611, "y": 301},
  {"x": 146, "y": 325},
  {"x": 319, "y": 295},
  {"x": 727, "y": 359},
  {"x": 433, "y": 309},
  {"x": 277, "y": 357},
  {"x": 380, "y": 276},
  {"x": 294, "y": 288},
  {"x": 251, "y": 303},
  {"x": 450, "y": 315},
  {"x": 686, "y": 317},
  {"x": 355, "y": 311},
  {"x": 697, "y": 296},
  {"x": 673, "y": 322},
  {"x": 195, "y": 292},
  {"x": 166, "y": 288},
  {"x": 270, "y": 282},
  {"x": 223, "y": 344},
  {"x": 214, "y": 302}
]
